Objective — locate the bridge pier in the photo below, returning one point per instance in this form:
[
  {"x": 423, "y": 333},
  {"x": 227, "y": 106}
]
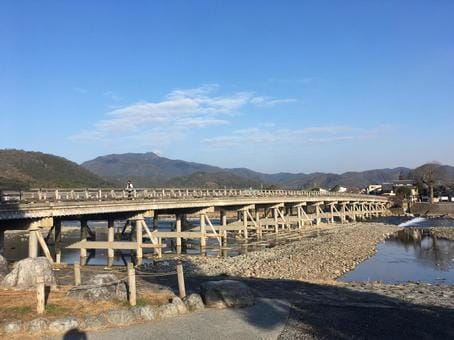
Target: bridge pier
[
  {"x": 138, "y": 221},
  {"x": 110, "y": 239},
  {"x": 203, "y": 240},
  {"x": 33, "y": 243}
]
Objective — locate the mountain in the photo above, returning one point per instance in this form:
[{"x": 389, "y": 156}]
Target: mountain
[
  {"x": 149, "y": 169},
  {"x": 143, "y": 169},
  {"x": 21, "y": 169},
  {"x": 440, "y": 175},
  {"x": 212, "y": 180}
]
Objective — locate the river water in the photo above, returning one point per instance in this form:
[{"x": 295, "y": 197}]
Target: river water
[
  {"x": 412, "y": 254},
  {"x": 16, "y": 244}
]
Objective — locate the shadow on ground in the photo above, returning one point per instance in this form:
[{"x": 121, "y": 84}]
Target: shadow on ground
[{"x": 326, "y": 312}]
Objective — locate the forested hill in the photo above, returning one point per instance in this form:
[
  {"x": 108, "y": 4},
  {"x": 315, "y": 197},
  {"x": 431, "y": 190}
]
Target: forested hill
[
  {"x": 24, "y": 169},
  {"x": 149, "y": 169}
]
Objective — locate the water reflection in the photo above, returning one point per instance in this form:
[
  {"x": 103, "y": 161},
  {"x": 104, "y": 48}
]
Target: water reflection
[
  {"x": 412, "y": 254},
  {"x": 427, "y": 247}
]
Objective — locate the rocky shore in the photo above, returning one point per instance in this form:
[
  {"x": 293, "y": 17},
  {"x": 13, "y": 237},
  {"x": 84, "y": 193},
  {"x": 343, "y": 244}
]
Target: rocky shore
[{"x": 320, "y": 253}]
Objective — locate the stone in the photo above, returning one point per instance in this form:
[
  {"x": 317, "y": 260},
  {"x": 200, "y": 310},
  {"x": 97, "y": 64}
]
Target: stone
[
  {"x": 194, "y": 302},
  {"x": 38, "y": 325},
  {"x": 146, "y": 313},
  {"x": 180, "y": 305},
  {"x": 108, "y": 288},
  {"x": 120, "y": 317},
  {"x": 95, "y": 321},
  {"x": 167, "y": 311},
  {"x": 226, "y": 293},
  {"x": 12, "y": 327},
  {"x": 25, "y": 272},
  {"x": 63, "y": 325},
  {"x": 3, "y": 267}
]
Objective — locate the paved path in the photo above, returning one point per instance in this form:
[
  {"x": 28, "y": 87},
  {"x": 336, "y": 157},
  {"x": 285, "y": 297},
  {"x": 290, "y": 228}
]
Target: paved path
[{"x": 265, "y": 320}]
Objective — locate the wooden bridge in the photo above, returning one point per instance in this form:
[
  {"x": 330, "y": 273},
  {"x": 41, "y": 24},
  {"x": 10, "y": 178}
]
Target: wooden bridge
[{"x": 244, "y": 213}]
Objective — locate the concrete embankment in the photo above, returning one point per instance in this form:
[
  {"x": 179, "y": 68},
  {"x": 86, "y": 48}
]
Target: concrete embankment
[{"x": 434, "y": 209}]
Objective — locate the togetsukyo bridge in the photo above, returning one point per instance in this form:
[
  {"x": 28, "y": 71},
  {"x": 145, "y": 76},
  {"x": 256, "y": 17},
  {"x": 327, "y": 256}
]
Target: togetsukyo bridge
[{"x": 245, "y": 213}]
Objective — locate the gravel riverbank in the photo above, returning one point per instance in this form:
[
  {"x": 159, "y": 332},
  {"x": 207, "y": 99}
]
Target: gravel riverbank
[{"x": 320, "y": 253}]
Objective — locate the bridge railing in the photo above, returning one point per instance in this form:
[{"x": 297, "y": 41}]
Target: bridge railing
[{"x": 109, "y": 194}]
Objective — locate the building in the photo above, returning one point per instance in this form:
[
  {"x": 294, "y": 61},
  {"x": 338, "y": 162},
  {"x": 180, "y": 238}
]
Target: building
[{"x": 392, "y": 188}]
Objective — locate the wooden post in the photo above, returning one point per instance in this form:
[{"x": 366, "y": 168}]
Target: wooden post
[
  {"x": 224, "y": 226},
  {"x": 178, "y": 230},
  {"x": 83, "y": 237},
  {"x": 203, "y": 232},
  {"x": 43, "y": 245},
  {"x": 343, "y": 213},
  {"x": 77, "y": 280},
  {"x": 139, "y": 239},
  {"x": 317, "y": 210},
  {"x": 57, "y": 240},
  {"x": 331, "y": 209},
  {"x": 245, "y": 231},
  {"x": 110, "y": 238},
  {"x": 259, "y": 224},
  {"x": 33, "y": 243},
  {"x": 132, "y": 284},
  {"x": 300, "y": 217},
  {"x": 40, "y": 295},
  {"x": 180, "y": 278},
  {"x": 155, "y": 221},
  {"x": 276, "y": 224}
]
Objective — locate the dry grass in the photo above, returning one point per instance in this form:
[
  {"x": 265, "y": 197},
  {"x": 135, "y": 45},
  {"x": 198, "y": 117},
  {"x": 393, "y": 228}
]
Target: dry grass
[{"x": 21, "y": 305}]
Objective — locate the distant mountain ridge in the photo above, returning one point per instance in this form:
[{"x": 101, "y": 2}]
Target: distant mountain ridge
[
  {"x": 144, "y": 169},
  {"x": 25, "y": 169},
  {"x": 149, "y": 169}
]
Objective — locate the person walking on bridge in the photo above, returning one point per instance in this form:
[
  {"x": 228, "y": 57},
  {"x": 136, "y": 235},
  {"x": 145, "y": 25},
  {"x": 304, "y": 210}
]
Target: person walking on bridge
[{"x": 129, "y": 189}]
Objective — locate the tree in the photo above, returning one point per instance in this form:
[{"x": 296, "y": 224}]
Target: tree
[
  {"x": 427, "y": 176},
  {"x": 335, "y": 188}
]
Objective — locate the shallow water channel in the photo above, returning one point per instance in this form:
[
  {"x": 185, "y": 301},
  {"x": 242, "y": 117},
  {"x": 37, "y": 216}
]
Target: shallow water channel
[{"x": 412, "y": 254}]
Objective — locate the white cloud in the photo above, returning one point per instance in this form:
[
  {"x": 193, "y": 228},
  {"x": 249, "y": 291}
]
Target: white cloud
[
  {"x": 309, "y": 135},
  {"x": 172, "y": 117}
]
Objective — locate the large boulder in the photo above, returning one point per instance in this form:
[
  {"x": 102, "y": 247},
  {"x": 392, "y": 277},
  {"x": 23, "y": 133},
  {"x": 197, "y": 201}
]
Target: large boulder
[
  {"x": 146, "y": 313},
  {"x": 63, "y": 325},
  {"x": 194, "y": 302},
  {"x": 226, "y": 293},
  {"x": 120, "y": 317},
  {"x": 26, "y": 271},
  {"x": 101, "y": 287},
  {"x": 3, "y": 267}
]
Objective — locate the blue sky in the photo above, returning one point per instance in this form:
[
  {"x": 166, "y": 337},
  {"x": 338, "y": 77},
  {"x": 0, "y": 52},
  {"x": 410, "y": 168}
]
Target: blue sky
[{"x": 296, "y": 86}]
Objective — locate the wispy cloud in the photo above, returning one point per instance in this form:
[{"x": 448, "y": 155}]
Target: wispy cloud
[
  {"x": 293, "y": 80},
  {"x": 111, "y": 95},
  {"x": 80, "y": 90},
  {"x": 178, "y": 112},
  {"x": 309, "y": 135}
]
